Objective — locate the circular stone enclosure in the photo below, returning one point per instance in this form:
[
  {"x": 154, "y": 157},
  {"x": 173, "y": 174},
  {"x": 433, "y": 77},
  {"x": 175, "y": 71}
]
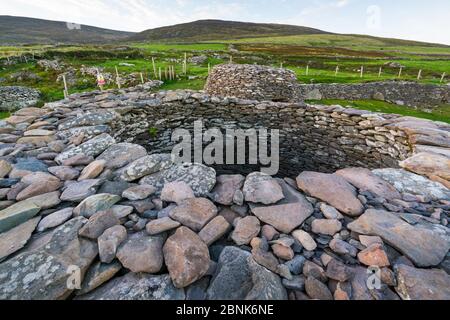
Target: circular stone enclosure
[
  {"x": 253, "y": 82},
  {"x": 316, "y": 138}
]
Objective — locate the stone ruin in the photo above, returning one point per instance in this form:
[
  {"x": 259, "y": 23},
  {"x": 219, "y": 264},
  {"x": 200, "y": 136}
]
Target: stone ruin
[
  {"x": 84, "y": 183},
  {"x": 253, "y": 82},
  {"x": 15, "y": 97},
  {"x": 405, "y": 93}
]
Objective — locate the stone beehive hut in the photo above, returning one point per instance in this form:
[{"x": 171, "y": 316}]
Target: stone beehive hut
[
  {"x": 77, "y": 191},
  {"x": 253, "y": 82}
]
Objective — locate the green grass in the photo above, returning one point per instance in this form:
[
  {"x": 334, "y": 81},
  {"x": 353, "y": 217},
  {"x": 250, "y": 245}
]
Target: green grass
[
  {"x": 182, "y": 47},
  {"x": 315, "y": 50},
  {"x": 348, "y": 41},
  {"x": 441, "y": 113},
  {"x": 4, "y": 115}
]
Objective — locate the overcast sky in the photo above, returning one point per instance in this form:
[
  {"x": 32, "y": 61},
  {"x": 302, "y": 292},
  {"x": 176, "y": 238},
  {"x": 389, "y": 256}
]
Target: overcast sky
[{"x": 407, "y": 19}]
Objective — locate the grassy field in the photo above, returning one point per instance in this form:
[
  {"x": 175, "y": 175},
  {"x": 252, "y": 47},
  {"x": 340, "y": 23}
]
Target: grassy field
[
  {"x": 321, "y": 53},
  {"x": 4, "y": 115}
]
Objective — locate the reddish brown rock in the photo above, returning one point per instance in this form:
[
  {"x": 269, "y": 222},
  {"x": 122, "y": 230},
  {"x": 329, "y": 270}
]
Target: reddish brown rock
[
  {"x": 269, "y": 232},
  {"x": 374, "y": 255},
  {"x": 317, "y": 290},
  {"x": 311, "y": 269},
  {"x": 142, "y": 253},
  {"x": 226, "y": 187},
  {"x": 284, "y": 217},
  {"x": 421, "y": 284},
  {"x": 214, "y": 230},
  {"x": 93, "y": 170},
  {"x": 177, "y": 192},
  {"x": 424, "y": 246},
  {"x": 186, "y": 256},
  {"x": 338, "y": 271},
  {"x": 327, "y": 227},
  {"x": 229, "y": 215},
  {"x": 428, "y": 164},
  {"x": 283, "y": 252},
  {"x": 98, "y": 223},
  {"x": 38, "y": 183},
  {"x": 364, "y": 180},
  {"x": 158, "y": 226},
  {"x": 194, "y": 213},
  {"x": 332, "y": 189},
  {"x": 245, "y": 230}
]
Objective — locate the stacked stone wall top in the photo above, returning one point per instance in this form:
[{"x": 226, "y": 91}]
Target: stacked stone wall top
[
  {"x": 253, "y": 82},
  {"x": 13, "y": 98},
  {"x": 399, "y": 92}
]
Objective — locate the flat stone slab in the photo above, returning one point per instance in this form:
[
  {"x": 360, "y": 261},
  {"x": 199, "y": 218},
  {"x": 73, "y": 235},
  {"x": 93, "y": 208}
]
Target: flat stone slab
[
  {"x": 16, "y": 238},
  {"x": 17, "y": 214},
  {"x": 364, "y": 179},
  {"x": 332, "y": 189},
  {"x": 408, "y": 182},
  {"x": 422, "y": 284},
  {"x": 92, "y": 147},
  {"x": 424, "y": 247},
  {"x": 239, "y": 277},
  {"x": 137, "y": 286}
]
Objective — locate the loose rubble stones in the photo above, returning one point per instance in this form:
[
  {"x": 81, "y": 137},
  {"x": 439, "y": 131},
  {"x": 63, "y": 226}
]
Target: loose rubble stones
[
  {"x": 426, "y": 248},
  {"x": 177, "y": 192},
  {"x": 364, "y": 179}
]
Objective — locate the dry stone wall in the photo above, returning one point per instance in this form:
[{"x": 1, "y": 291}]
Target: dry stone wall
[
  {"x": 13, "y": 98},
  {"x": 253, "y": 82},
  {"x": 399, "y": 92},
  {"x": 321, "y": 138}
]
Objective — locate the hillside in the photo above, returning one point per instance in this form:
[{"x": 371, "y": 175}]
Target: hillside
[
  {"x": 20, "y": 30},
  {"x": 244, "y": 32},
  {"x": 204, "y": 30}
]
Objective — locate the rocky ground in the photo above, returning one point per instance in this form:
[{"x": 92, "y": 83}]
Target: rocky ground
[{"x": 139, "y": 226}]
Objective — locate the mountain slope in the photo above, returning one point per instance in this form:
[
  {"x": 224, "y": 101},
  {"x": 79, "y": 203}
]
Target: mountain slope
[
  {"x": 204, "y": 30},
  {"x": 20, "y": 30}
]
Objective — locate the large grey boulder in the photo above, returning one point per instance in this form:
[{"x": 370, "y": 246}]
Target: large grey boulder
[
  {"x": 239, "y": 277},
  {"x": 200, "y": 178},
  {"x": 91, "y": 147},
  {"x": 48, "y": 272}
]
